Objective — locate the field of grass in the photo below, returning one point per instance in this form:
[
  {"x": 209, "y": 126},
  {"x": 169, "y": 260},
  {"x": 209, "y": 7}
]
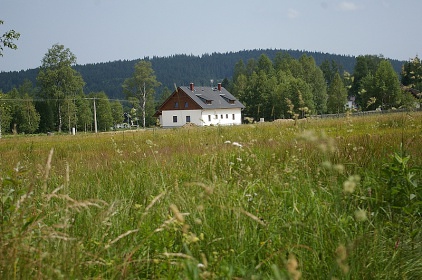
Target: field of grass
[{"x": 316, "y": 199}]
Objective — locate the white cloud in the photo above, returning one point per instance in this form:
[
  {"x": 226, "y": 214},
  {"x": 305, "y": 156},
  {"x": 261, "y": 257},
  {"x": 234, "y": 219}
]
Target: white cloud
[
  {"x": 348, "y": 6},
  {"x": 292, "y": 13}
]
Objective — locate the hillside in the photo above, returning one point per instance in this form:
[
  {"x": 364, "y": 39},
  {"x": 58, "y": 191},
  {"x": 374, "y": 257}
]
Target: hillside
[{"x": 176, "y": 69}]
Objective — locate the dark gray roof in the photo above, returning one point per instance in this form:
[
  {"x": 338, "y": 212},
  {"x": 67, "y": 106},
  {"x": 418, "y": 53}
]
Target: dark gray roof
[{"x": 212, "y": 98}]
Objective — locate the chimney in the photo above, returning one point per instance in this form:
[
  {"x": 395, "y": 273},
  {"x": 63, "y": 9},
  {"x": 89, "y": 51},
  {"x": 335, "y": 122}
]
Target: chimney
[
  {"x": 219, "y": 86},
  {"x": 191, "y": 87}
]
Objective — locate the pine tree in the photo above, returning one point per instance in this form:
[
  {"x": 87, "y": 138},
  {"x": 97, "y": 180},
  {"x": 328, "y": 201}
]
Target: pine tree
[{"x": 337, "y": 96}]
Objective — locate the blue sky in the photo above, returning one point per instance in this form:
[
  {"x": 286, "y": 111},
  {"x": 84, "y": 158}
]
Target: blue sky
[{"x": 108, "y": 30}]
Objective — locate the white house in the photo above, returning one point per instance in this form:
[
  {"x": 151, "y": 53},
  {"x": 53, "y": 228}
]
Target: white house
[{"x": 201, "y": 106}]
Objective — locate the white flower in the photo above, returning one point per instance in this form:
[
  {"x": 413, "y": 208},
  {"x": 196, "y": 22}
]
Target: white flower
[
  {"x": 351, "y": 183},
  {"x": 360, "y": 215},
  {"x": 237, "y": 144}
]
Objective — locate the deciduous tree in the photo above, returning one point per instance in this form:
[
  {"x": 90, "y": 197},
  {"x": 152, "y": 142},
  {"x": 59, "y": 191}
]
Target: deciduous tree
[
  {"x": 142, "y": 86},
  {"x": 387, "y": 86},
  {"x": 7, "y": 40},
  {"x": 365, "y": 65},
  {"x": 411, "y": 74},
  {"x": 381, "y": 89},
  {"x": 5, "y": 113},
  {"x": 337, "y": 96},
  {"x": 117, "y": 112},
  {"x": 25, "y": 118},
  {"x": 103, "y": 110},
  {"x": 57, "y": 79}
]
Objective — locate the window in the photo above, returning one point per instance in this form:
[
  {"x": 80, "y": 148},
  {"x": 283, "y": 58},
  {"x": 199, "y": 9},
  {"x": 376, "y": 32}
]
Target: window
[
  {"x": 227, "y": 116},
  {"x": 188, "y": 119},
  {"x": 186, "y": 105},
  {"x": 209, "y": 118},
  {"x": 216, "y": 117},
  {"x": 175, "y": 119},
  {"x": 233, "y": 116},
  {"x": 176, "y": 104},
  {"x": 222, "y": 117}
]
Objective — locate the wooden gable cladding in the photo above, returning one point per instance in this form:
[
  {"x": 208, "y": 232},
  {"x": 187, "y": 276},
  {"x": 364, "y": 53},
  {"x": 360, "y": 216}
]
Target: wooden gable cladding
[{"x": 179, "y": 100}]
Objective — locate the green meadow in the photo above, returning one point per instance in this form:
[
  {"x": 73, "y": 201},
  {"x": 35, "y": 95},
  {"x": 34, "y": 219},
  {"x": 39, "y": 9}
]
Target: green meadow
[{"x": 312, "y": 199}]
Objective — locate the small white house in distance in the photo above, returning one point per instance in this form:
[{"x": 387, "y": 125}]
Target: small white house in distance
[{"x": 201, "y": 106}]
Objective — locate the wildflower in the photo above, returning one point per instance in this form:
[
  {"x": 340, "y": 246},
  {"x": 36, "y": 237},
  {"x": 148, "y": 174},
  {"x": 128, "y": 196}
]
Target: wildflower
[
  {"x": 227, "y": 142},
  {"x": 351, "y": 183},
  {"x": 190, "y": 238},
  {"x": 327, "y": 165},
  {"x": 237, "y": 144},
  {"x": 309, "y": 135},
  {"x": 360, "y": 215},
  {"x": 341, "y": 253},
  {"x": 339, "y": 168}
]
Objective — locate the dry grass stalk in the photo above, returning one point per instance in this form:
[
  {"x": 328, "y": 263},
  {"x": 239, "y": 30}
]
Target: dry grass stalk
[
  {"x": 154, "y": 201},
  {"x": 47, "y": 169}
]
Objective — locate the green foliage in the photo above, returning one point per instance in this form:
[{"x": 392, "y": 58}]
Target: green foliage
[
  {"x": 337, "y": 95},
  {"x": 85, "y": 117},
  {"x": 411, "y": 74},
  {"x": 383, "y": 88},
  {"x": 141, "y": 87},
  {"x": 7, "y": 39},
  {"x": 366, "y": 65},
  {"x": 58, "y": 80},
  {"x": 265, "y": 90},
  {"x": 103, "y": 110},
  {"x": 401, "y": 185},
  {"x": 25, "y": 115},
  {"x": 5, "y": 113},
  {"x": 330, "y": 69},
  {"x": 116, "y": 112}
]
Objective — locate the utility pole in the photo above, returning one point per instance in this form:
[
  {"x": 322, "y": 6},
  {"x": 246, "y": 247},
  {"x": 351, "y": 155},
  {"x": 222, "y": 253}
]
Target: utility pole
[
  {"x": 95, "y": 117},
  {"x": 144, "y": 94}
]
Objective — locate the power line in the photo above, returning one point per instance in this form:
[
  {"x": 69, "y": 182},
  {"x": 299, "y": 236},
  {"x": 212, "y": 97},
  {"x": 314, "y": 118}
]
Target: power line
[{"x": 57, "y": 99}]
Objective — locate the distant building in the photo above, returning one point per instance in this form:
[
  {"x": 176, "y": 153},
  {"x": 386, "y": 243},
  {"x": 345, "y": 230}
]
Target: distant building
[
  {"x": 351, "y": 104},
  {"x": 201, "y": 106}
]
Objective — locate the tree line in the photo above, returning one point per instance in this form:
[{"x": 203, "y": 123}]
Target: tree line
[
  {"x": 286, "y": 87},
  {"x": 178, "y": 69},
  {"x": 58, "y": 102},
  {"x": 280, "y": 86}
]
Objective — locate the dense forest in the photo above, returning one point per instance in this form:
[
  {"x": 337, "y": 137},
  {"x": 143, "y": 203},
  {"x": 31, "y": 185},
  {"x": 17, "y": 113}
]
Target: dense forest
[{"x": 176, "y": 69}]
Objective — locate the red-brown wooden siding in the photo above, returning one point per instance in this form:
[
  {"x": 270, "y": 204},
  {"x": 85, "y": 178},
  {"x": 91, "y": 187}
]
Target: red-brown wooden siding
[{"x": 181, "y": 98}]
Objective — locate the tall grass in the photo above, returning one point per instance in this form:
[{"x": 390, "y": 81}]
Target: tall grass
[{"x": 316, "y": 199}]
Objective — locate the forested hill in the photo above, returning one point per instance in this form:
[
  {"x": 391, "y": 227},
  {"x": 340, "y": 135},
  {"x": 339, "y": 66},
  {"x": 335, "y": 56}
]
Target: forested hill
[{"x": 176, "y": 69}]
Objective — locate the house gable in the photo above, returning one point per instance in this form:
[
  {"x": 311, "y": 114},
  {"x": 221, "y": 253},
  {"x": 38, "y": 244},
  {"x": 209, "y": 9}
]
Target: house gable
[{"x": 179, "y": 100}]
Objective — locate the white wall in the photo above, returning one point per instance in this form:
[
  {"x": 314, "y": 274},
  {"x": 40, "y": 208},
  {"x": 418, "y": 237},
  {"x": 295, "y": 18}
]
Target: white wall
[
  {"x": 167, "y": 117},
  {"x": 222, "y": 116},
  {"x": 200, "y": 117}
]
